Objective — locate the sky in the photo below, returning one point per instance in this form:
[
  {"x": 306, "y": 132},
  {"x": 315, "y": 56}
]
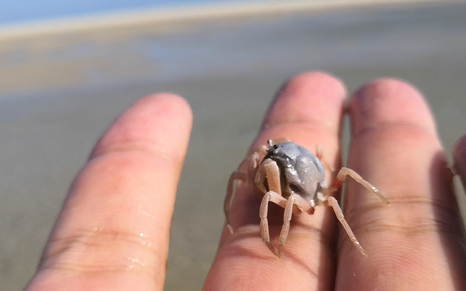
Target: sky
[{"x": 15, "y": 11}]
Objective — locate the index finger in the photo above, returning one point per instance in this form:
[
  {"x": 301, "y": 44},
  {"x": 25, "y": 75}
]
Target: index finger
[
  {"x": 112, "y": 233},
  {"x": 308, "y": 111}
]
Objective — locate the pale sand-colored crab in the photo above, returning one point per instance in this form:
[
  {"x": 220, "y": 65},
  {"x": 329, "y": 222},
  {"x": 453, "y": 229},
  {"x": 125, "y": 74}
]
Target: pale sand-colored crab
[{"x": 292, "y": 177}]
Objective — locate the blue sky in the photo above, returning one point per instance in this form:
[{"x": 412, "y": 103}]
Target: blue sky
[{"x": 17, "y": 11}]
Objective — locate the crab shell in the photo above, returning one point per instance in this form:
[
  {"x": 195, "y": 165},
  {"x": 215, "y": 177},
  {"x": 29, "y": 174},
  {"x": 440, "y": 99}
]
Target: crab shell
[{"x": 301, "y": 172}]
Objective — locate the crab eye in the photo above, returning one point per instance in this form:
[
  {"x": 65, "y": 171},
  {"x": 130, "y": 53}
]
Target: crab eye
[{"x": 295, "y": 189}]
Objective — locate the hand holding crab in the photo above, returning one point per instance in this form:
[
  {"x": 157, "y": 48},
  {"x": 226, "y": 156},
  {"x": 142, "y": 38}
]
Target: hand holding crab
[
  {"x": 414, "y": 245},
  {"x": 292, "y": 177},
  {"x": 411, "y": 245}
]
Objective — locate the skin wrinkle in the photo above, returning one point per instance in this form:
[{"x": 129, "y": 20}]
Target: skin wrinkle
[
  {"x": 437, "y": 203},
  {"x": 146, "y": 147},
  {"x": 309, "y": 231},
  {"x": 323, "y": 236},
  {"x": 239, "y": 249},
  {"x": 91, "y": 240},
  {"x": 100, "y": 269},
  {"x": 444, "y": 225},
  {"x": 431, "y": 226}
]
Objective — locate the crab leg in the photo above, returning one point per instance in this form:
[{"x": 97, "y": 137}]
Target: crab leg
[
  {"x": 302, "y": 205},
  {"x": 348, "y": 172},
  {"x": 269, "y": 171},
  {"x": 331, "y": 201},
  {"x": 276, "y": 198},
  {"x": 235, "y": 176}
]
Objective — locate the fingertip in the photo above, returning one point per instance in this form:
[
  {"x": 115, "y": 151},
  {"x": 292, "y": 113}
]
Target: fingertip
[
  {"x": 308, "y": 97},
  {"x": 172, "y": 107},
  {"x": 178, "y": 105},
  {"x": 162, "y": 119},
  {"x": 389, "y": 101},
  {"x": 317, "y": 79},
  {"x": 168, "y": 104}
]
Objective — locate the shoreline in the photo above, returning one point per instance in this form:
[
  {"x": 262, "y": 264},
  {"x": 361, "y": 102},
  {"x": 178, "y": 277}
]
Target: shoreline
[{"x": 186, "y": 13}]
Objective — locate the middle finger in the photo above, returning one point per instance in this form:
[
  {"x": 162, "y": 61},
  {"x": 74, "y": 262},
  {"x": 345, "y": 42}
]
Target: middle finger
[{"x": 308, "y": 111}]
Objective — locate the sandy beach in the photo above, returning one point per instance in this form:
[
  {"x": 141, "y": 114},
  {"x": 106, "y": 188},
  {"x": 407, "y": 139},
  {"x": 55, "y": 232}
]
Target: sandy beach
[{"x": 59, "y": 91}]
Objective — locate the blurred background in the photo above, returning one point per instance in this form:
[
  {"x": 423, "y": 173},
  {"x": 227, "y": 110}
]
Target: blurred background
[{"x": 68, "y": 70}]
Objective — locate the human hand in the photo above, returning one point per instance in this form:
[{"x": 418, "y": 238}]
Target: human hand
[
  {"x": 112, "y": 233},
  {"x": 414, "y": 244}
]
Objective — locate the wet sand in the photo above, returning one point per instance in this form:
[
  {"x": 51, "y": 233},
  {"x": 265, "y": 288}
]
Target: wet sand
[{"x": 58, "y": 93}]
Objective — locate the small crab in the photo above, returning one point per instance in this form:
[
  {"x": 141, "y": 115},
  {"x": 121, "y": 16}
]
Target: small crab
[{"x": 292, "y": 177}]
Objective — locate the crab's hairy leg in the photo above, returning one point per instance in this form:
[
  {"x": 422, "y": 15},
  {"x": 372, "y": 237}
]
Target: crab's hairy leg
[
  {"x": 253, "y": 162},
  {"x": 302, "y": 205},
  {"x": 276, "y": 198},
  {"x": 271, "y": 173},
  {"x": 332, "y": 202},
  {"x": 268, "y": 170},
  {"x": 348, "y": 172},
  {"x": 286, "y": 223},
  {"x": 235, "y": 176}
]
